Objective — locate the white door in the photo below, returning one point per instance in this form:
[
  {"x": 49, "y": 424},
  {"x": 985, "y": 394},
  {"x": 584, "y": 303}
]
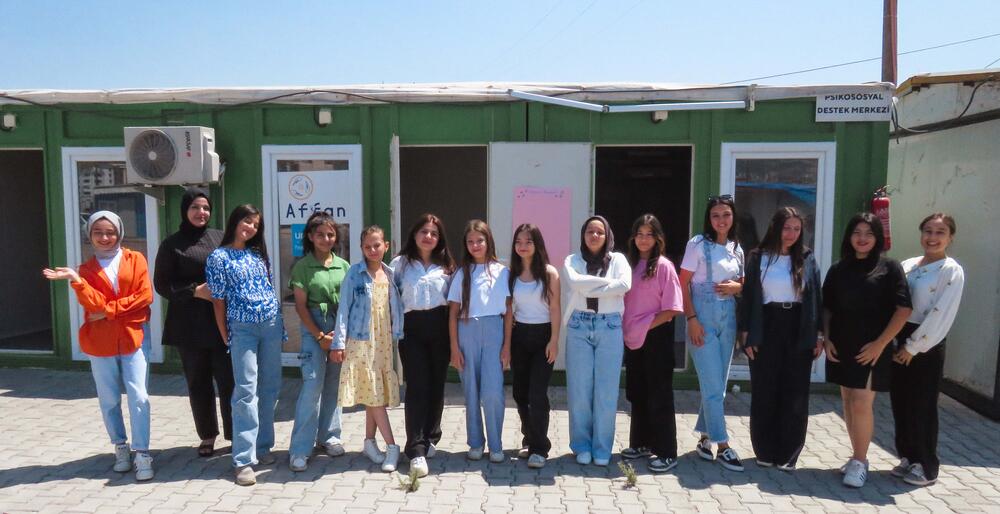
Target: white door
[
  {"x": 765, "y": 176},
  {"x": 93, "y": 180},
  {"x": 299, "y": 180},
  {"x": 547, "y": 184}
]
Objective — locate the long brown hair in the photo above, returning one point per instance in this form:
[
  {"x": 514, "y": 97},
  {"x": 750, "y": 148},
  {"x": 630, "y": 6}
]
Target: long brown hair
[
  {"x": 771, "y": 244},
  {"x": 658, "y": 250},
  {"x": 440, "y": 255},
  {"x": 539, "y": 261},
  {"x": 468, "y": 261}
]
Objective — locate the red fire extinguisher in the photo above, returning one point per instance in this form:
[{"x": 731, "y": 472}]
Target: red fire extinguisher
[{"x": 880, "y": 207}]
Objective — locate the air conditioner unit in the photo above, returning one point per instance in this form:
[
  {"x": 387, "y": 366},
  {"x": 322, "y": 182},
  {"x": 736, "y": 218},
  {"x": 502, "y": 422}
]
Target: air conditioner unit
[{"x": 162, "y": 156}]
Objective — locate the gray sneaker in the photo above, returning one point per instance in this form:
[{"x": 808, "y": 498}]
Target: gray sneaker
[
  {"x": 266, "y": 459},
  {"x": 899, "y": 471},
  {"x": 245, "y": 476},
  {"x": 856, "y": 473},
  {"x": 536, "y": 461},
  {"x": 916, "y": 476},
  {"x": 298, "y": 463},
  {"x": 334, "y": 449},
  {"x": 123, "y": 458}
]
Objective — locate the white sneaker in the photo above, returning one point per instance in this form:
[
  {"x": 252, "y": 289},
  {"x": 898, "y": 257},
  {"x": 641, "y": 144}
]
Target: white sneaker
[
  {"x": 536, "y": 461},
  {"x": 497, "y": 457},
  {"x": 391, "y": 458},
  {"x": 245, "y": 476},
  {"x": 418, "y": 465},
  {"x": 334, "y": 449},
  {"x": 475, "y": 453},
  {"x": 431, "y": 450},
  {"x": 123, "y": 458},
  {"x": 856, "y": 473},
  {"x": 372, "y": 451},
  {"x": 298, "y": 463},
  {"x": 143, "y": 466}
]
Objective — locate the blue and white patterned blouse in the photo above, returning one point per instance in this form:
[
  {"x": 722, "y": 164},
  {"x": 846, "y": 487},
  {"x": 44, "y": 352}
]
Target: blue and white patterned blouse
[{"x": 240, "y": 277}]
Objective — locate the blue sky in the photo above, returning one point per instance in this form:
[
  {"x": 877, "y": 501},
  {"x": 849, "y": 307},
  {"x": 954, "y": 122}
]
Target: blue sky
[{"x": 178, "y": 43}]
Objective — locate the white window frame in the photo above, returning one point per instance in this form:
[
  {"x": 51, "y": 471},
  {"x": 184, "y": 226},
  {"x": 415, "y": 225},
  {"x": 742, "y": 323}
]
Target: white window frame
[
  {"x": 825, "y": 152},
  {"x": 270, "y": 154},
  {"x": 71, "y": 157}
]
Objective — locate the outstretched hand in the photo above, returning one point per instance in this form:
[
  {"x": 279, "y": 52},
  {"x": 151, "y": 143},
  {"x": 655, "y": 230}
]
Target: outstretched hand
[{"x": 61, "y": 273}]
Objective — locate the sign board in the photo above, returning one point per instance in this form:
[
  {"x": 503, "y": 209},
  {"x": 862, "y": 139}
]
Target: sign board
[
  {"x": 302, "y": 193},
  {"x": 551, "y": 210},
  {"x": 298, "y": 230},
  {"x": 854, "y": 106}
]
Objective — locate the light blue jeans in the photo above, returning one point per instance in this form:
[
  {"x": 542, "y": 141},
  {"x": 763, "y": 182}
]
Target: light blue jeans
[
  {"x": 712, "y": 360},
  {"x": 317, "y": 416},
  {"x": 256, "y": 353},
  {"x": 594, "y": 350},
  {"x": 480, "y": 341},
  {"x": 127, "y": 374}
]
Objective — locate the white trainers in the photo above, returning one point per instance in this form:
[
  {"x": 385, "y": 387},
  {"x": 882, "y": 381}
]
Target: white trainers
[
  {"x": 497, "y": 457},
  {"x": 391, "y": 458},
  {"x": 245, "y": 476},
  {"x": 372, "y": 451},
  {"x": 431, "y": 450},
  {"x": 298, "y": 463},
  {"x": 143, "y": 466},
  {"x": 475, "y": 453},
  {"x": 856, "y": 473},
  {"x": 418, "y": 465},
  {"x": 536, "y": 461},
  {"x": 334, "y": 449},
  {"x": 123, "y": 458}
]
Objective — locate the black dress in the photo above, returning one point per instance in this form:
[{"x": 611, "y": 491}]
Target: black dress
[
  {"x": 862, "y": 297},
  {"x": 179, "y": 268}
]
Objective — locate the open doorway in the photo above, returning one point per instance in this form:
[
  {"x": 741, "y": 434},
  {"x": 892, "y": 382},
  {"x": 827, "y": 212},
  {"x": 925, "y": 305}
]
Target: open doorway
[
  {"x": 24, "y": 297},
  {"x": 633, "y": 180},
  {"x": 448, "y": 181}
]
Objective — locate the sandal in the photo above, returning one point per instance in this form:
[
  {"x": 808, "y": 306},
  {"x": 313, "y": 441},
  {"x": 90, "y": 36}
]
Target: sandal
[{"x": 206, "y": 449}]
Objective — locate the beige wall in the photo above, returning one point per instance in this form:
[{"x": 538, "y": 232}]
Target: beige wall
[{"x": 956, "y": 171}]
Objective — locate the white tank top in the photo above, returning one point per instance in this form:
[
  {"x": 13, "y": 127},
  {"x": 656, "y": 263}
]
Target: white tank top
[{"x": 529, "y": 305}]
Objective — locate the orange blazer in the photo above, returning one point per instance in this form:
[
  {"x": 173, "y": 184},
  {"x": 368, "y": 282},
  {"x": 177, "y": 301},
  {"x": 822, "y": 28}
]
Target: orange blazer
[{"x": 120, "y": 332}]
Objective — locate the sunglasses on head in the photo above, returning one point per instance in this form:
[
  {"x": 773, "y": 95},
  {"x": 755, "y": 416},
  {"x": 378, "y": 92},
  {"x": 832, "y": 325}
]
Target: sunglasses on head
[{"x": 712, "y": 198}]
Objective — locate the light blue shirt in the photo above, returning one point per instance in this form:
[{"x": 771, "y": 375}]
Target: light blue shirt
[
  {"x": 241, "y": 278},
  {"x": 421, "y": 288},
  {"x": 488, "y": 290}
]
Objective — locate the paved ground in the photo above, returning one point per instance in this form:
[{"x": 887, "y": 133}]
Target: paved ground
[{"x": 54, "y": 456}]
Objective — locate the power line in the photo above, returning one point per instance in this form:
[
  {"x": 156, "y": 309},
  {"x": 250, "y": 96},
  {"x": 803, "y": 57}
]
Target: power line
[
  {"x": 605, "y": 28},
  {"x": 953, "y": 43},
  {"x": 558, "y": 33},
  {"x": 992, "y": 63},
  {"x": 524, "y": 35}
]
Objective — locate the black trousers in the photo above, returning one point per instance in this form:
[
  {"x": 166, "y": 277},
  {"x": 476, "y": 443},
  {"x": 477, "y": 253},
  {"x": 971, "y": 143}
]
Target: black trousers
[
  {"x": 425, "y": 351},
  {"x": 779, "y": 377},
  {"x": 531, "y": 373},
  {"x": 202, "y": 366},
  {"x": 914, "y": 397},
  {"x": 649, "y": 387}
]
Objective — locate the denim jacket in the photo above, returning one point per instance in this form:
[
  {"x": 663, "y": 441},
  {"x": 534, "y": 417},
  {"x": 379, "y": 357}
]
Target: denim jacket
[{"x": 354, "y": 315}]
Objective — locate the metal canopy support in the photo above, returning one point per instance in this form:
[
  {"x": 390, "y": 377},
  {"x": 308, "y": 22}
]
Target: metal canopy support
[{"x": 680, "y": 106}]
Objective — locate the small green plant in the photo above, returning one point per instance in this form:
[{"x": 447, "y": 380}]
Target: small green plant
[
  {"x": 631, "y": 479},
  {"x": 411, "y": 483}
]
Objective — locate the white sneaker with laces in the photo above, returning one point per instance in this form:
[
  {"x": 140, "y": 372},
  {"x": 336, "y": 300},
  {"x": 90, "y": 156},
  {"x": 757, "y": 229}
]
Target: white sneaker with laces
[
  {"x": 856, "y": 474},
  {"x": 123, "y": 458},
  {"x": 334, "y": 449},
  {"x": 391, "y": 458},
  {"x": 419, "y": 466},
  {"x": 143, "y": 466},
  {"x": 373, "y": 452}
]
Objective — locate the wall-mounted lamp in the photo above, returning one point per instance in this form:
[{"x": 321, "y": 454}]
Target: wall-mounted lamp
[
  {"x": 8, "y": 121},
  {"x": 324, "y": 117},
  {"x": 658, "y": 116}
]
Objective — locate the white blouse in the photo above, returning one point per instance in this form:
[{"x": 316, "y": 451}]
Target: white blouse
[
  {"x": 529, "y": 302},
  {"x": 421, "y": 288},
  {"x": 488, "y": 290},
  {"x": 935, "y": 290},
  {"x": 776, "y": 282},
  {"x": 727, "y": 261},
  {"x": 609, "y": 290}
]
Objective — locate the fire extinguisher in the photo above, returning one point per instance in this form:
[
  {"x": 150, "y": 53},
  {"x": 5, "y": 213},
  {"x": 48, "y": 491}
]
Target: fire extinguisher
[{"x": 880, "y": 207}]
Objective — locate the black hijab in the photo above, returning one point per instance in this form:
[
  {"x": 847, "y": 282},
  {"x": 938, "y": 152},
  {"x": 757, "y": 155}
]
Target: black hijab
[
  {"x": 597, "y": 264},
  {"x": 189, "y": 197}
]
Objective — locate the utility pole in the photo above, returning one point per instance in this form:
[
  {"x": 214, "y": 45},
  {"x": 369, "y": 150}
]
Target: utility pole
[{"x": 889, "y": 41}]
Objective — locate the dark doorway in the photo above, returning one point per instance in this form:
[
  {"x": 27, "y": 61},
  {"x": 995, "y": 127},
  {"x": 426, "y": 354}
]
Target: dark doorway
[
  {"x": 448, "y": 181},
  {"x": 631, "y": 181},
  {"x": 25, "y": 302}
]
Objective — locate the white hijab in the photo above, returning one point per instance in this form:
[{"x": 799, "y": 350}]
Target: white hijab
[{"x": 117, "y": 222}]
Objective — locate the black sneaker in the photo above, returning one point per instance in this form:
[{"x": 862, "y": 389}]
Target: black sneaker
[
  {"x": 635, "y": 453},
  {"x": 704, "y": 449},
  {"x": 730, "y": 460},
  {"x": 661, "y": 464}
]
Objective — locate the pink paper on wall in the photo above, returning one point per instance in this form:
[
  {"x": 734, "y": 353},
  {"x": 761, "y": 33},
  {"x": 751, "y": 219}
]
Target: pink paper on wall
[{"x": 550, "y": 209}]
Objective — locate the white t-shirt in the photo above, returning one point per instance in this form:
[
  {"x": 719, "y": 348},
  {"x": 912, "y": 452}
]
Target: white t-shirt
[
  {"x": 110, "y": 267},
  {"x": 727, "y": 262},
  {"x": 776, "y": 282},
  {"x": 529, "y": 302},
  {"x": 488, "y": 290}
]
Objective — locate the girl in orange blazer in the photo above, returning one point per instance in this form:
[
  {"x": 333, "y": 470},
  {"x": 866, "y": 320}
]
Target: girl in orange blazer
[{"x": 114, "y": 289}]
